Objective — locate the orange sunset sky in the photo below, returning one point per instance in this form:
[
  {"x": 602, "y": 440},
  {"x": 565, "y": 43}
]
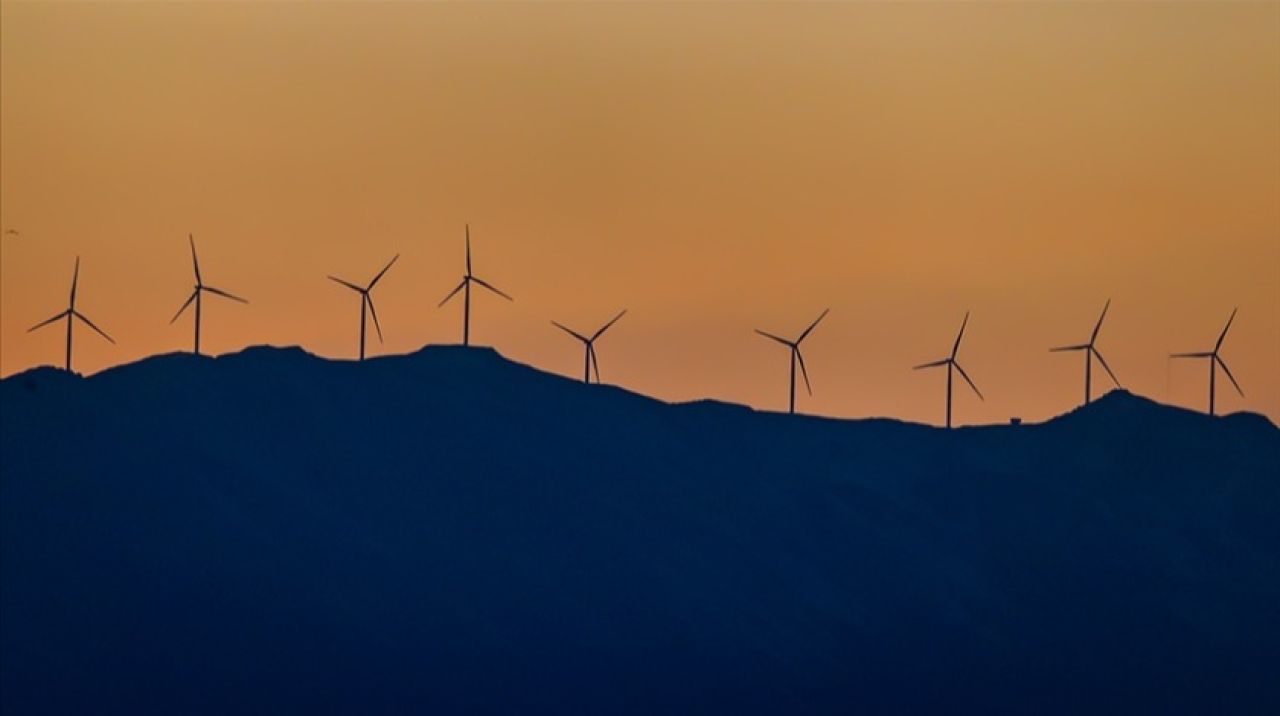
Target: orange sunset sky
[{"x": 714, "y": 168}]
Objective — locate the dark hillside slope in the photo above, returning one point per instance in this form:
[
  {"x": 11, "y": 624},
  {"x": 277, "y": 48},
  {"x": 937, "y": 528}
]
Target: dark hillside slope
[{"x": 272, "y": 532}]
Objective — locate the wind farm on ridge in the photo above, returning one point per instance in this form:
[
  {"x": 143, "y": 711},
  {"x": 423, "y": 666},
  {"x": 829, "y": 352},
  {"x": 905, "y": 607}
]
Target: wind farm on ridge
[{"x": 588, "y": 342}]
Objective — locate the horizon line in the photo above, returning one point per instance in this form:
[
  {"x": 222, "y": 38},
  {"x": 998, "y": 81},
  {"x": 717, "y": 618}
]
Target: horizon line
[{"x": 1013, "y": 421}]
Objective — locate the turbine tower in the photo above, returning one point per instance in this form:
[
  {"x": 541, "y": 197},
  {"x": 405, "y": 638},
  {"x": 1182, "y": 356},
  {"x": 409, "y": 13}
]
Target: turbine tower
[
  {"x": 590, "y": 343},
  {"x": 366, "y": 302},
  {"x": 950, "y": 363},
  {"x": 797, "y": 357},
  {"x": 467, "y": 279},
  {"x": 1090, "y": 352},
  {"x": 71, "y": 314},
  {"x": 196, "y": 294},
  {"x": 1215, "y": 360}
]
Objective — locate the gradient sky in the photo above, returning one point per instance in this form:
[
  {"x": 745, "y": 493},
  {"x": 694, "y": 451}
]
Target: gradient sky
[{"x": 712, "y": 167}]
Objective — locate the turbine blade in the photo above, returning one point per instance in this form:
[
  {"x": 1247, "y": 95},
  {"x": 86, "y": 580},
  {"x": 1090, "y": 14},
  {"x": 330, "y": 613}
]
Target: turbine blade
[
  {"x": 955, "y": 348},
  {"x": 1228, "y": 372},
  {"x": 595, "y": 362},
  {"x": 491, "y": 288},
  {"x": 85, "y": 318},
  {"x": 1191, "y": 355},
  {"x": 571, "y": 332},
  {"x": 190, "y": 298},
  {"x": 1094, "y": 336},
  {"x": 803, "y": 371},
  {"x": 374, "y": 312},
  {"x": 1226, "y": 328},
  {"x": 1081, "y": 347},
  {"x": 348, "y": 284},
  {"x": 783, "y": 341},
  {"x": 75, "y": 279},
  {"x": 452, "y": 293},
  {"x": 468, "y": 249},
  {"x": 44, "y": 323},
  {"x": 195, "y": 262},
  {"x": 224, "y": 294},
  {"x": 607, "y": 325},
  {"x": 1103, "y": 361},
  {"x": 378, "y": 278},
  {"x": 813, "y": 325},
  {"x": 970, "y": 382},
  {"x": 934, "y": 364}
]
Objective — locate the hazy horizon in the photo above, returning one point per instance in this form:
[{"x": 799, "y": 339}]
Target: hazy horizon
[{"x": 712, "y": 168}]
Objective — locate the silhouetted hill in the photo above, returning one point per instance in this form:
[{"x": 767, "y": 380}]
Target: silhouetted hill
[{"x": 449, "y": 531}]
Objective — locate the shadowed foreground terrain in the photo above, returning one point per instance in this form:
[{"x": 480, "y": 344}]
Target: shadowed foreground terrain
[{"x": 274, "y": 532}]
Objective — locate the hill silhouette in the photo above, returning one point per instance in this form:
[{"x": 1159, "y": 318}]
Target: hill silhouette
[{"x": 449, "y": 531}]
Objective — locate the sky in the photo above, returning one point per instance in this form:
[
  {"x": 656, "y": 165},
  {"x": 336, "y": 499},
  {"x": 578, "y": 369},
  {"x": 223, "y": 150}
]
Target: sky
[{"x": 712, "y": 168}]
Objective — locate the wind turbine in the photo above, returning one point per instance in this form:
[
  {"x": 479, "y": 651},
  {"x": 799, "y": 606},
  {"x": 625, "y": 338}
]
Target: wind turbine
[
  {"x": 1090, "y": 352},
  {"x": 467, "y": 279},
  {"x": 70, "y": 314},
  {"x": 196, "y": 294},
  {"x": 366, "y": 301},
  {"x": 797, "y": 357},
  {"x": 590, "y": 343},
  {"x": 1215, "y": 360},
  {"x": 950, "y": 363}
]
